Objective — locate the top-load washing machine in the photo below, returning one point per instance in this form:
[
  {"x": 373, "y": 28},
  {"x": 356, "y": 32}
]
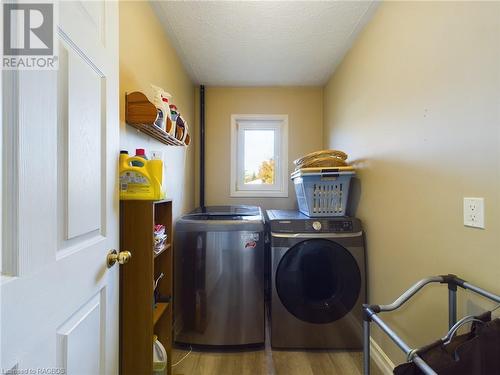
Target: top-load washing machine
[
  {"x": 317, "y": 281},
  {"x": 219, "y": 276}
]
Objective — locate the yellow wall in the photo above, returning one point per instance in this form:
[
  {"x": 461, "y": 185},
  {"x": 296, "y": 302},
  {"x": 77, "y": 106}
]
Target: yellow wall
[
  {"x": 147, "y": 57},
  {"x": 416, "y": 104},
  {"x": 303, "y": 105}
]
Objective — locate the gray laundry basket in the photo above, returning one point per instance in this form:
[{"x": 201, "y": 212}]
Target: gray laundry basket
[{"x": 322, "y": 191}]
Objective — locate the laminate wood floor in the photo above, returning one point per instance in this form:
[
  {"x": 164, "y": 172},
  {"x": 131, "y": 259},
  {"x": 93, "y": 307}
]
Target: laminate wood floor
[{"x": 268, "y": 362}]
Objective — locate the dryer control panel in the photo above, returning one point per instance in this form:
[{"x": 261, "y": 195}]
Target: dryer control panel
[
  {"x": 326, "y": 225},
  {"x": 295, "y": 222}
]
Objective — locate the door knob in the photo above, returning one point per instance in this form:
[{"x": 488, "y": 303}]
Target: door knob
[{"x": 121, "y": 257}]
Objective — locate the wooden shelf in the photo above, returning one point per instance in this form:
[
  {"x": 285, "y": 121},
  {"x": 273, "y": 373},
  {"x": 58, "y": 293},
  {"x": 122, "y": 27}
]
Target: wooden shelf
[
  {"x": 154, "y": 132},
  {"x": 141, "y": 114},
  {"x": 139, "y": 319},
  {"x": 167, "y": 246},
  {"x": 158, "y": 311}
]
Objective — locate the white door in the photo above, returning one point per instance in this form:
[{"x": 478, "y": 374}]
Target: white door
[{"x": 59, "y": 301}]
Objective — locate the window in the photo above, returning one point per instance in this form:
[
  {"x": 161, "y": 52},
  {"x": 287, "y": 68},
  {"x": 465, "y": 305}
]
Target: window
[{"x": 259, "y": 156}]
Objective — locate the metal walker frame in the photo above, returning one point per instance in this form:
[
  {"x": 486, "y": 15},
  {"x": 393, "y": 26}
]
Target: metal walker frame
[{"x": 370, "y": 315}]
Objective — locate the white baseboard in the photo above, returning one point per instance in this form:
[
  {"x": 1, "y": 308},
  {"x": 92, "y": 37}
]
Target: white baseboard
[{"x": 381, "y": 359}]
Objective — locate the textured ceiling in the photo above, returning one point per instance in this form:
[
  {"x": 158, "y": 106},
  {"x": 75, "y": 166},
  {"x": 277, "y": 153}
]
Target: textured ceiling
[{"x": 249, "y": 43}]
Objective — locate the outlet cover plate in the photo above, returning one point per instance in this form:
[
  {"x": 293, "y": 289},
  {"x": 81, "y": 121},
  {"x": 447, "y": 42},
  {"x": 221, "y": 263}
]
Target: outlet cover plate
[{"x": 474, "y": 212}]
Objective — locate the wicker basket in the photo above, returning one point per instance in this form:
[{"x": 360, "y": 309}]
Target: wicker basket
[{"x": 324, "y": 158}]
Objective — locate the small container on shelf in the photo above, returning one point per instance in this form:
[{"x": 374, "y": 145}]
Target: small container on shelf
[
  {"x": 160, "y": 238},
  {"x": 143, "y": 115}
]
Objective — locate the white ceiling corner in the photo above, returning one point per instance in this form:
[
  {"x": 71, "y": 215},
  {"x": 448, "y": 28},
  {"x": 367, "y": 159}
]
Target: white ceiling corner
[{"x": 262, "y": 43}]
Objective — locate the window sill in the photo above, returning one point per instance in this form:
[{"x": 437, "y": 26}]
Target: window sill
[{"x": 259, "y": 194}]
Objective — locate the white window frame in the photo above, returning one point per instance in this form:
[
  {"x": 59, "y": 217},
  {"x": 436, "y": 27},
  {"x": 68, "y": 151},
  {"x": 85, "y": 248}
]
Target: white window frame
[{"x": 278, "y": 123}]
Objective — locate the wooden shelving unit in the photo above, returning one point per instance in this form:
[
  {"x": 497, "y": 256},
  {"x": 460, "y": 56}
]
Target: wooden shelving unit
[
  {"x": 141, "y": 114},
  {"x": 167, "y": 246},
  {"x": 139, "y": 318},
  {"x": 159, "y": 310}
]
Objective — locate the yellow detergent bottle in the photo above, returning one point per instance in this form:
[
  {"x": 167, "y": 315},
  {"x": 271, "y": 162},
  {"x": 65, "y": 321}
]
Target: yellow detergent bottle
[{"x": 140, "y": 182}]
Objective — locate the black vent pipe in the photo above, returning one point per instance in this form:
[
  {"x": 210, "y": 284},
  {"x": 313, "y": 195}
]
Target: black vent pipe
[{"x": 202, "y": 147}]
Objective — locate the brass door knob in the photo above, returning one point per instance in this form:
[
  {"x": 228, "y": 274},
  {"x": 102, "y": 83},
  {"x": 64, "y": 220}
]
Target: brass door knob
[{"x": 121, "y": 257}]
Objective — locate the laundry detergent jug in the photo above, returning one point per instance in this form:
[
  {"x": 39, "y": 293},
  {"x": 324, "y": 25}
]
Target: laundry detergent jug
[
  {"x": 141, "y": 181},
  {"x": 159, "y": 357}
]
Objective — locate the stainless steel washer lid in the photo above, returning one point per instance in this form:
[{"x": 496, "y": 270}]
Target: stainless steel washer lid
[
  {"x": 223, "y": 218},
  {"x": 239, "y": 210}
]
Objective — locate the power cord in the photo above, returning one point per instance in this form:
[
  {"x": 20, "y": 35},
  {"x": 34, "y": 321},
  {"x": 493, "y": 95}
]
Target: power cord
[{"x": 185, "y": 356}]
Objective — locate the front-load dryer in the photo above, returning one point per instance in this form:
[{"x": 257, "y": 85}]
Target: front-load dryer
[{"x": 317, "y": 281}]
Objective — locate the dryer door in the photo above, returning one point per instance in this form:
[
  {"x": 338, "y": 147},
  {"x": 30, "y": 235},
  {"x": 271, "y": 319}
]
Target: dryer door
[{"x": 318, "y": 281}]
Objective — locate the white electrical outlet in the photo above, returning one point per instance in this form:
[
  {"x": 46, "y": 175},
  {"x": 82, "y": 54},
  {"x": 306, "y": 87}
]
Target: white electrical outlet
[{"x": 474, "y": 212}]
